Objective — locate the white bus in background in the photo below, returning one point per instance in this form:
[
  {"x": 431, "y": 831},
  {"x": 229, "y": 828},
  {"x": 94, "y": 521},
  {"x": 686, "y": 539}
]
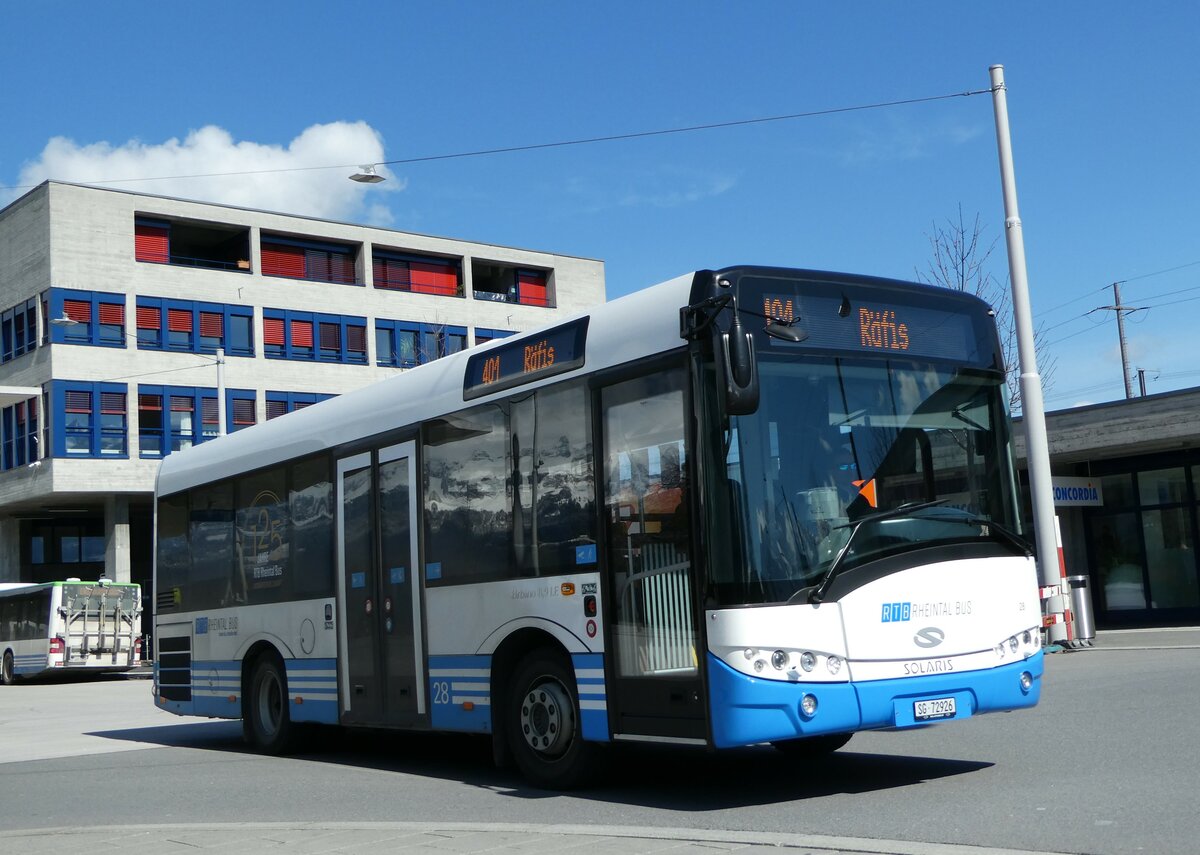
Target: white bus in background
[
  {"x": 68, "y": 627},
  {"x": 743, "y": 506}
]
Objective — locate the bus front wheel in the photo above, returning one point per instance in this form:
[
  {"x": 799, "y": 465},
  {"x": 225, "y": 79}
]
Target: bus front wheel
[
  {"x": 8, "y": 674},
  {"x": 544, "y": 732},
  {"x": 266, "y": 723}
]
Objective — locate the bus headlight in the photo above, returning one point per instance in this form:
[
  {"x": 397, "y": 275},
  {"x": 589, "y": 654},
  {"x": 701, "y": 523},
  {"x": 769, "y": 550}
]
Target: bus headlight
[
  {"x": 1026, "y": 681},
  {"x": 779, "y": 659},
  {"x": 808, "y": 660},
  {"x": 808, "y": 705},
  {"x": 834, "y": 664}
]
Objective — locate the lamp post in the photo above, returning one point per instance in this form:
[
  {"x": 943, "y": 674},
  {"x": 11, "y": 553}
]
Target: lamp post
[{"x": 219, "y": 360}]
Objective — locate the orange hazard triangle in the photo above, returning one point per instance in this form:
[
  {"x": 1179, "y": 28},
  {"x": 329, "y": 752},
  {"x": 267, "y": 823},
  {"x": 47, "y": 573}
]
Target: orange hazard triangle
[{"x": 866, "y": 489}]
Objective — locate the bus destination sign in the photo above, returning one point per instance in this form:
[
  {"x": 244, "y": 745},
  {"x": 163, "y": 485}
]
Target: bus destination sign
[
  {"x": 527, "y": 359},
  {"x": 909, "y": 330}
]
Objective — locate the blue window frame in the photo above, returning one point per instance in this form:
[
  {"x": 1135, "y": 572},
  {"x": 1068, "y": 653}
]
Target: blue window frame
[
  {"x": 98, "y": 318},
  {"x": 405, "y": 344},
  {"x": 19, "y": 427},
  {"x": 484, "y": 335},
  {"x": 311, "y": 336},
  {"x": 282, "y": 403},
  {"x": 172, "y": 418},
  {"x": 92, "y": 419},
  {"x": 18, "y": 330},
  {"x": 194, "y": 327}
]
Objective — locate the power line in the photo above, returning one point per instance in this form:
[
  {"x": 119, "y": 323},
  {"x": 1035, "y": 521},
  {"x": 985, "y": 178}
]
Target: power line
[{"x": 559, "y": 144}]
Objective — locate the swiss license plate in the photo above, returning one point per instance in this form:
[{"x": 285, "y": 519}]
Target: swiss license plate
[{"x": 933, "y": 709}]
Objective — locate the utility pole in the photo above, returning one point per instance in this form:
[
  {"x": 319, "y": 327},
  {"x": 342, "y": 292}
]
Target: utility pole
[
  {"x": 1037, "y": 449},
  {"x": 1121, "y": 312}
]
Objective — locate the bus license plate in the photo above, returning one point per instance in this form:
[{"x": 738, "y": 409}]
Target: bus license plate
[{"x": 936, "y": 708}]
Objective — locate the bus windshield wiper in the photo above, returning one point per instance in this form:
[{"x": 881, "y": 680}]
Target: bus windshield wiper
[
  {"x": 989, "y": 527},
  {"x": 835, "y": 566}
]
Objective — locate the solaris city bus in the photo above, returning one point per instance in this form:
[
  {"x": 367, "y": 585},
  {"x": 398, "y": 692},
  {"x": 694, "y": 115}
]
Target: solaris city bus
[{"x": 744, "y": 506}]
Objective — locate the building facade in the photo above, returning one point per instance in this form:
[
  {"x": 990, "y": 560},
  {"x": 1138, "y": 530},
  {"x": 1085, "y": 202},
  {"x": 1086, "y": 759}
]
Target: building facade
[
  {"x": 132, "y": 326},
  {"x": 1127, "y": 495}
]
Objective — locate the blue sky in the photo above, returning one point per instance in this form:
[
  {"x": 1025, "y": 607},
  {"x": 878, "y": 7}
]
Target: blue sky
[{"x": 1102, "y": 101}]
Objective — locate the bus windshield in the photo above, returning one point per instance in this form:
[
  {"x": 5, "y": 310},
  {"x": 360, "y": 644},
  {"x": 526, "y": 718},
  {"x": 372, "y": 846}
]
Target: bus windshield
[{"x": 902, "y": 454}]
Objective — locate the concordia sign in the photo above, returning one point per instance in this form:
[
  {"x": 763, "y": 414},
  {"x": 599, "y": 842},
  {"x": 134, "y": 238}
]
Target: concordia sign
[{"x": 1076, "y": 492}]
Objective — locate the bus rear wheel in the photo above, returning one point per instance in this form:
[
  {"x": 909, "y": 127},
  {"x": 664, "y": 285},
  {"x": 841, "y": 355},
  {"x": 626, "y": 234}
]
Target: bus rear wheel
[
  {"x": 266, "y": 723},
  {"x": 544, "y": 732},
  {"x": 812, "y": 747},
  {"x": 8, "y": 673}
]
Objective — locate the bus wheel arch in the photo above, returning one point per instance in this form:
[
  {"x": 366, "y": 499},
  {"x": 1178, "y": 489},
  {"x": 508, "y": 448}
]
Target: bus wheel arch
[
  {"x": 537, "y": 717},
  {"x": 266, "y": 718}
]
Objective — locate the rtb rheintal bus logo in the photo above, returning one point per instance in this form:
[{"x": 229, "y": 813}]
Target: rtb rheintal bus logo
[{"x": 897, "y": 612}]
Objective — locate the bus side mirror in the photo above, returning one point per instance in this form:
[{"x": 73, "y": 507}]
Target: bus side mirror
[{"x": 736, "y": 352}]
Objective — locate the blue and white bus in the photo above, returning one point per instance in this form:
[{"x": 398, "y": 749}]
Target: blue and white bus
[
  {"x": 752, "y": 505},
  {"x": 69, "y": 627}
]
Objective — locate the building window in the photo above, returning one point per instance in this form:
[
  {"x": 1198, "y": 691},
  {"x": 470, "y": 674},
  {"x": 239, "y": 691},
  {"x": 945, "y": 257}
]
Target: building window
[
  {"x": 85, "y": 317},
  {"x": 506, "y": 284},
  {"x": 303, "y": 335},
  {"x": 186, "y": 243},
  {"x": 282, "y": 403},
  {"x": 167, "y": 416},
  {"x": 417, "y": 274},
  {"x": 19, "y": 426},
  {"x": 18, "y": 330},
  {"x": 404, "y": 344},
  {"x": 194, "y": 327},
  {"x": 483, "y": 335},
  {"x": 152, "y": 241},
  {"x": 93, "y": 418},
  {"x": 311, "y": 260}
]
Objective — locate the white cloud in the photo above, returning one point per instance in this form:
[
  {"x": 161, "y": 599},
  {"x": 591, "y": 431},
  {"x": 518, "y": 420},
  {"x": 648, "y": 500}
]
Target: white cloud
[{"x": 248, "y": 174}]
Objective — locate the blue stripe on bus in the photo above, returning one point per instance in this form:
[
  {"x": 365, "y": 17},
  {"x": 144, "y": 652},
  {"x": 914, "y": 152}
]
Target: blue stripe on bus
[
  {"x": 312, "y": 690},
  {"x": 746, "y": 710},
  {"x": 455, "y": 681},
  {"x": 593, "y": 695},
  {"x": 30, "y": 663}
]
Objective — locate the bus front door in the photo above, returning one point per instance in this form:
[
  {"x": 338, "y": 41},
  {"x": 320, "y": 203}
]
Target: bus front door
[{"x": 381, "y": 658}]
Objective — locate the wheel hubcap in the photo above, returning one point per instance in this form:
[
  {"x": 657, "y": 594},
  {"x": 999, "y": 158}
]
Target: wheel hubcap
[
  {"x": 547, "y": 719},
  {"x": 270, "y": 704}
]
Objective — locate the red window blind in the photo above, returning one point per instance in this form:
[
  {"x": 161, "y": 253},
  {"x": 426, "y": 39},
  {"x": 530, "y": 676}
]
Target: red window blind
[
  {"x": 182, "y": 404},
  {"x": 212, "y": 325},
  {"x": 179, "y": 320},
  {"x": 77, "y": 402},
  {"x": 149, "y": 318},
  {"x": 275, "y": 409},
  {"x": 302, "y": 334},
  {"x": 273, "y": 331},
  {"x": 356, "y": 339},
  {"x": 243, "y": 411},
  {"x": 331, "y": 337},
  {"x": 390, "y": 273},
  {"x": 341, "y": 268},
  {"x": 152, "y": 243},
  {"x": 434, "y": 278},
  {"x": 112, "y": 403},
  {"x": 209, "y": 412},
  {"x": 317, "y": 265},
  {"x": 21, "y": 412},
  {"x": 112, "y": 313},
  {"x": 33, "y": 404},
  {"x": 300, "y": 405},
  {"x": 151, "y": 403},
  {"x": 281, "y": 260},
  {"x": 78, "y": 310},
  {"x": 531, "y": 288}
]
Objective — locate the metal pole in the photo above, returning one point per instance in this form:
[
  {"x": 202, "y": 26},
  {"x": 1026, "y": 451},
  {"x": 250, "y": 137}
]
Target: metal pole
[
  {"x": 1121, "y": 335},
  {"x": 221, "y": 391},
  {"x": 1037, "y": 451},
  {"x": 1142, "y": 380}
]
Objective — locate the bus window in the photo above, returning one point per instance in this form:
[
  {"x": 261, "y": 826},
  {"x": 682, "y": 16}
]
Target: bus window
[
  {"x": 210, "y": 538},
  {"x": 311, "y": 507},
  {"x": 174, "y": 560},
  {"x": 263, "y": 536},
  {"x": 566, "y": 489}
]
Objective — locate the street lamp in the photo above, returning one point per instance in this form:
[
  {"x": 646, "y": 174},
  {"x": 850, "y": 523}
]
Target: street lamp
[
  {"x": 367, "y": 175},
  {"x": 66, "y": 321}
]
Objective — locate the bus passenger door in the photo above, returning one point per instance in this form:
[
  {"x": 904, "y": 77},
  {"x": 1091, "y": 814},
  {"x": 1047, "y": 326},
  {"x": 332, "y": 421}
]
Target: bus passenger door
[
  {"x": 381, "y": 659},
  {"x": 648, "y": 549}
]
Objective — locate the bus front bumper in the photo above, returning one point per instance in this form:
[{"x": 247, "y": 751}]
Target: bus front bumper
[{"x": 747, "y": 710}]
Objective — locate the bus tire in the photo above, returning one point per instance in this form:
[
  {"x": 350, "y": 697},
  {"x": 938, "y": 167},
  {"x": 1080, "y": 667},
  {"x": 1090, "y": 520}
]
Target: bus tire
[
  {"x": 266, "y": 722},
  {"x": 543, "y": 724},
  {"x": 8, "y": 673},
  {"x": 812, "y": 747}
]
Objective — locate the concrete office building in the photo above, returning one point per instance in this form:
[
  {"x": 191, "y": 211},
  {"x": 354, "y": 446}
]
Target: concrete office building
[{"x": 113, "y": 307}]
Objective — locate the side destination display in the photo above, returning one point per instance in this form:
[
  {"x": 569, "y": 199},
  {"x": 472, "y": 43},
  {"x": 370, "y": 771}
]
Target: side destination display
[{"x": 533, "y": 357}]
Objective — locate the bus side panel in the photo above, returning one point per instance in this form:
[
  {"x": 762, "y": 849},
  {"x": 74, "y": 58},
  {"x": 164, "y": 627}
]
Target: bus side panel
[
  {"x": 27, "y": 663},
  {"x": 312, "y": 690}
]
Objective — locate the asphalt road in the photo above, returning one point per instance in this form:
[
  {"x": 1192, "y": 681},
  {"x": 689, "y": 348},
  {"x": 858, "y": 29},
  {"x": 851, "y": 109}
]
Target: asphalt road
[{"x": 1106, "y": 764}]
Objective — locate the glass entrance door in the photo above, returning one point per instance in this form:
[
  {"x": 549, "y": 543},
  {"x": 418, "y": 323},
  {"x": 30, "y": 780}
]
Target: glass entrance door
[
  {"x": 649, "y": 552},
  {"x": 382, "y": 655}
]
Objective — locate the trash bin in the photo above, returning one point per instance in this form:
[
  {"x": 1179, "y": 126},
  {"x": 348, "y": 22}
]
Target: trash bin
[{"x": 1081, "y": 611}]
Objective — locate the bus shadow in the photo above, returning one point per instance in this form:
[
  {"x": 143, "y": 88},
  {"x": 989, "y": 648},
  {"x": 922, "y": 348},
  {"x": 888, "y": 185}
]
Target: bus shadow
[{"x": 684, "y": 779}]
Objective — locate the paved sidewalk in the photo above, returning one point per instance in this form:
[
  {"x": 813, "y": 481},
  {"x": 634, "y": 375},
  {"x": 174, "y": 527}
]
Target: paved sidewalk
[
  {"x": 318, "y": 838},
  {"x": 1148, "y": 639}
]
